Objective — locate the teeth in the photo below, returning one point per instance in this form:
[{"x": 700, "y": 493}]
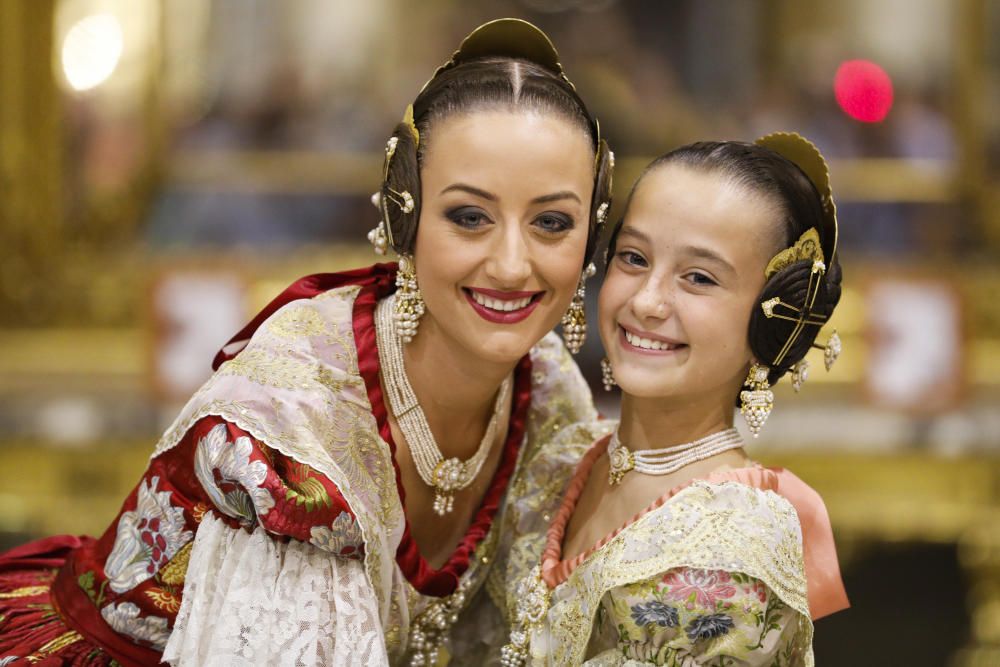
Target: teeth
[
  {"x": 645, "y": 343},
  {"x": 500, "y": 304}
]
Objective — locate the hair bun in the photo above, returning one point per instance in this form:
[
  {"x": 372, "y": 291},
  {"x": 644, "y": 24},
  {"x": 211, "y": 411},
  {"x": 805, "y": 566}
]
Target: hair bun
[{"x": 768, "y": 335}]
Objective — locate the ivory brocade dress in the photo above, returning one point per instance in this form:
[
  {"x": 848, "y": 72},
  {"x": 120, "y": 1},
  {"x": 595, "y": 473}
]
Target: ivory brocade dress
[
  {"x": 269, "y": 527},
  {"x": 724, "y": 571}
]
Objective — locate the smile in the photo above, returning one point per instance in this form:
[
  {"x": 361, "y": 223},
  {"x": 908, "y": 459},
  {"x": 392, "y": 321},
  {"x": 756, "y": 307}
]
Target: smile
[
  {"x": 502, "y": 307},
  {"x": 649, "y": 344}
]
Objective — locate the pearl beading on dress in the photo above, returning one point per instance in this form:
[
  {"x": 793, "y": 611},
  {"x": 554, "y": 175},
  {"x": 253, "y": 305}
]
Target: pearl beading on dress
[
  {"x": 668, "y": 459},
  {"x": 445, "y": 476}
]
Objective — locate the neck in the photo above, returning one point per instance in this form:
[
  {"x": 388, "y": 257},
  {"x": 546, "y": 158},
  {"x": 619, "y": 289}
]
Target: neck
[
  {"x": 456, "y": 388},
  {"x": 655, "y": 423}
]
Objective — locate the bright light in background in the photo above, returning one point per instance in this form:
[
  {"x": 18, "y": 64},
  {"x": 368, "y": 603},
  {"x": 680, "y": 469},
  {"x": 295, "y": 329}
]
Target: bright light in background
[
  {"x": 863, "y": 90},
  {"x": 91, "y": 51}
]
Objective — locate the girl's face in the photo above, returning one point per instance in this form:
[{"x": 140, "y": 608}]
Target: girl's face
[
  {"x": 503, "y": 228},
  {"x": 688, "y": 267}
]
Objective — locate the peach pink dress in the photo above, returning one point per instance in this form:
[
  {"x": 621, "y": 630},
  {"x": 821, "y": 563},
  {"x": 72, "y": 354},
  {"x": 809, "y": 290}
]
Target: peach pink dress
[{"x": 730, "y": 569}]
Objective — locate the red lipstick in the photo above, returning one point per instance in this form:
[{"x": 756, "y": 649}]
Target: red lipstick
[{"x": 502, "y": 316}]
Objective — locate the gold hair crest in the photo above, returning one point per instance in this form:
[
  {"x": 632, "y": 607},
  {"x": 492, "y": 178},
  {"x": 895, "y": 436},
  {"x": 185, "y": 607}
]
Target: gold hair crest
[
  {"x": 803, "y": 153},
  {"x": 408, "y": 121},
  {"x": 806, "y": 248}
]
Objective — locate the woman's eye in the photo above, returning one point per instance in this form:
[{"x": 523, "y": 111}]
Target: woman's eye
[
  {"x": 554, "y": 224},
  {"x": 469, "y": 218},
  {"x": 631, "y": 258},
  {"x": 700, "y": 279}
]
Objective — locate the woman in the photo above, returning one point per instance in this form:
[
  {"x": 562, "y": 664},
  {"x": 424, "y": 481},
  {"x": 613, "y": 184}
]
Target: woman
[
  {"x": 270, "y": 526},
  {"x": 669, "y": 546}
]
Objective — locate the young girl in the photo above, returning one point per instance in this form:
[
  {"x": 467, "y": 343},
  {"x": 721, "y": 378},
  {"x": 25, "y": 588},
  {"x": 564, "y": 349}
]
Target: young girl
[
  {"x": 327, "y": 497},
  {"x": 669, "y": 545}
]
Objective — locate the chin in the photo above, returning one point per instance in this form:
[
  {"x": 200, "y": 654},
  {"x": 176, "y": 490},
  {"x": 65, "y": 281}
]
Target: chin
[
  {"x": 503, "y": 346},
  {"x": 646, "y": 385}
]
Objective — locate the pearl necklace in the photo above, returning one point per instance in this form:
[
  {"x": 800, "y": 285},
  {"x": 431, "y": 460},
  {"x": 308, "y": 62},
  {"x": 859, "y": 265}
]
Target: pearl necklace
[
  {"x": 445, "y": 476},
  {"x": 669, "y": 459}
]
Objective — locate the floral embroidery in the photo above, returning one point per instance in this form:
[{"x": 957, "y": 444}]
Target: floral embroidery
[
  {"x": 147, "y": 537},
  {"x": 305, "y": 487},
  {"x": 165, "y": 599},
  {"x": 655, "y": 612},
  {"x": 124, "y": 619},
  {"x": 342, "y": 538},
  {"x": 238, "y": 492},
  {"x": 176, "y": 568},
  {"x": 86, "y": 582},
  {"x": 673, "y": 562},
  {"x": 701, "y": 587},
  {"x": 709, "y": 627}
]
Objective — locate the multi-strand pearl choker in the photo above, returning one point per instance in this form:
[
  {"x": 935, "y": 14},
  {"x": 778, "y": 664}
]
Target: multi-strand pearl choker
[
  {"x": 445, "y": 476},
  {"x": 669, "y": 459}
]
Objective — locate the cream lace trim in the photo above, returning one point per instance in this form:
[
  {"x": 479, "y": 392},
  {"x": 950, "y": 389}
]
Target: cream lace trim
[{"x": 249, "y": 599}]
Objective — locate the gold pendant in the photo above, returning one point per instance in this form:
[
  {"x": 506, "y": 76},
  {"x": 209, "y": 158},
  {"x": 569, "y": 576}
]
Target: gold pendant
[
  {"x": 444, "y": 502},
  {"x": 620, "y": 461},
  {"x": 448, "y": 478}
]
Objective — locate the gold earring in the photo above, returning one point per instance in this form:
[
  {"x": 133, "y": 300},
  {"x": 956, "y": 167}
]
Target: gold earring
[
  {"x": 756, "y": 403},
  {"x": 574, "y": 322},
  {"x": 409, "y": 306},
  {"x": 831, "y": 351},
  {"x": 607, "y": 376}
]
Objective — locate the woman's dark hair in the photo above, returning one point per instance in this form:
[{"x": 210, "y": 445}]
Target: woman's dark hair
[
  {"x": 486, "y": 84},
  {"x": 767, "y": 173}
]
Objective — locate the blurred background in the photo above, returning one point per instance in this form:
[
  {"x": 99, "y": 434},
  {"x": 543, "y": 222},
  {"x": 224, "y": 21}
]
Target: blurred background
[{"x": 168, "y": 167}]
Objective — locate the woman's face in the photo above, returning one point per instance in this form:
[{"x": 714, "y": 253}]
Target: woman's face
[
  {"x": 688, "y": 267},
  {"x": 503, "y": 228}
]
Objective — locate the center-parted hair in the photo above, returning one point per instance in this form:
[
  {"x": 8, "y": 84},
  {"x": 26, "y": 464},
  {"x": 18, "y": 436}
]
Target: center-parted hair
[
  {"x": 488, "y": 84},
  {"x": 763, "y": 172}
]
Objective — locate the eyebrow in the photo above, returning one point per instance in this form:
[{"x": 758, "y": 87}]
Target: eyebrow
[
  {"x": 711, "y": 255},
  {"x": 695, "y": 251},
  {"x": 462, "y": 187},
  {"x": 635, "y": 233},
  {"x": 489, "y": 196},
  {"x": 556, "y": 196}
]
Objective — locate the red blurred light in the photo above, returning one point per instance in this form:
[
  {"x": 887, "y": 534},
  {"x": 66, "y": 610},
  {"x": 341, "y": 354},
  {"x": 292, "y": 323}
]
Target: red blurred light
[{"x": 863, "y": 90}]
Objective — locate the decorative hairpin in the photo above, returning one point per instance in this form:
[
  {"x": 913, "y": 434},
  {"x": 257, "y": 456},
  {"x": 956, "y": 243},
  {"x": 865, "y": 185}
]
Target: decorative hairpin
[
  {"x": 768, "y": 307},
  {"x": 602, "y": 213}
]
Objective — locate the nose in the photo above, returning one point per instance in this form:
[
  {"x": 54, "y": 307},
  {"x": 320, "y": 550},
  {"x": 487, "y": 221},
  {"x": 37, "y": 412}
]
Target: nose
[
  {"x": 653, "y": 301},
  {"x": 509, "y": 264}
]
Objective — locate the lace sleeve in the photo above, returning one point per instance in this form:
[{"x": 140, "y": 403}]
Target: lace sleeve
[
  {"x": 703, "y": 617},
  {"x": 249, "y": 599}
]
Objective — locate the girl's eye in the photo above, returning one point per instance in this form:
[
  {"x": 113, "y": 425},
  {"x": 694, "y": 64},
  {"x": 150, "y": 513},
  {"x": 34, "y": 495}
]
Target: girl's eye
[
  {"x": 468, "y": 217},
  {"x": 631, "y": 258},
  {"x": 554, "y": 223},
  {"x": 700, "y": 279}
]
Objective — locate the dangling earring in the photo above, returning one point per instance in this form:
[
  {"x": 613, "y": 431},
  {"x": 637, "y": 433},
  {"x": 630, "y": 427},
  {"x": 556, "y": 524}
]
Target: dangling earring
[
  {"x": 606, "y": 374},
  {"x": 378, "y": 237},
  {"x": 574, "y": 322},
  {"x": 756, "y": 403},
  {"x": 831, "y": 351},
  {"x": 409, "y": 303},
  {"x": 800, "y": 373}
]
